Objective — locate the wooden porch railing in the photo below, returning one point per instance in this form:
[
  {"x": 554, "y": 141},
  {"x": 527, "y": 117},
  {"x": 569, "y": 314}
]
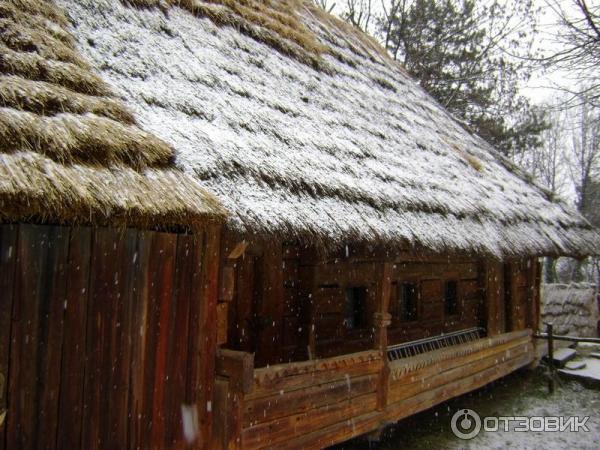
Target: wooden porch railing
[{"x": 314, "y": 404}]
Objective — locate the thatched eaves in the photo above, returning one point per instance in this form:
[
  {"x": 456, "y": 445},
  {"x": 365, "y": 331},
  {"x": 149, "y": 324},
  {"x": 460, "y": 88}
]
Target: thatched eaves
[
  {"x": 70, "y": 151},
  {"x": 304, "y": 128}
]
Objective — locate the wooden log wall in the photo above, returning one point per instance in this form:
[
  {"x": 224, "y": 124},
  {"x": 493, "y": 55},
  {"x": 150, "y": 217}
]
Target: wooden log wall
[
  {"x": 330, "y": 280},
  {"x": 423, "y": 381},
  {"x": 315, "y": 404},
  {"x": 287, "y": 303},
  {"x": 512, "y": 300},
  {"x": 310, "y": 404},
  {"x": 429, "y": 278},
  {"x": 261, "y": 292},
  {"x": 104, "y": 335}
]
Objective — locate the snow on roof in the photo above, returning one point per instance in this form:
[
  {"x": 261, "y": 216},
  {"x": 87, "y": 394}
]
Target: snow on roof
[
  {"x": 69, "y": 150},
  {"x": 316, "y": 135}
]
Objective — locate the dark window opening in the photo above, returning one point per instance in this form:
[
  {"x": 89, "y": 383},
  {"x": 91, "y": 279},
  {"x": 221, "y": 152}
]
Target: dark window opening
[
  {"x": 407, "y": 301},
  {"x": 451, "y": 298},
  {"x": 355, "y": 314}
]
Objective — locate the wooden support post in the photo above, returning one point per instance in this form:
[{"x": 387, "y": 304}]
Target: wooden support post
[
  {"x": 382, "y": 320},
  {"x": 494, "y": 298},
  {"x": 550, "y": 357},
  {"x": 308, "y": 288},
  {"x": 238, "y": 367},
  {"x": 235, "y": 379}
]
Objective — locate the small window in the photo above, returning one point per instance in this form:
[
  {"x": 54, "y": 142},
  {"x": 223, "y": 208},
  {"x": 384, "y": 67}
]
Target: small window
[
  {"x": 451, "y": 298},
  {"x": 407, "y": 301},
  {"x": 355, "y": 314}
]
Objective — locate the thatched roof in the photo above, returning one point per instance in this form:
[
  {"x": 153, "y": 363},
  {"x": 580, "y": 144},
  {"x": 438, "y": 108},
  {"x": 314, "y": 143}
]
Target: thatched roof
[
  {"x": 303, "y": 127},
  {"x": 70, "y": 151},
  {"x": 571, "y": 308}
]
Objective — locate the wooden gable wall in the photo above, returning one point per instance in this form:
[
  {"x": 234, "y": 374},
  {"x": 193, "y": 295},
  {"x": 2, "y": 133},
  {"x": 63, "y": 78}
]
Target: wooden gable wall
[{"x": 104, "y": 335}]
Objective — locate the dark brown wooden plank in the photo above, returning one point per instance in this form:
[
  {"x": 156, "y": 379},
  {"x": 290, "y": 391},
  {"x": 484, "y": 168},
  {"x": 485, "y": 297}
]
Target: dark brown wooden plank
[
  {"x": 238, "y": 367},
  {"x": 280, "y": 405},
  {"x": 495, "y": 298},
  {"x": 120, "y": 342},
  {"x": 287, "y": 428},
  {"x": 203, "y": 346},
  {"x": 103, "y": 297},
  {"x": 270, "y": 306},
  {"x": 21, "y": 423},
  {"x": 70, "y": 414},
  {"x": 52, "y": 305},
  {"x": 37, "y": 337},
  {"x": 241, "y": 335},
  {"x": 177, "y": 358},
  {"x": 227, "y": 289},
  {"x": 163, "y": 268},
  {"x": 222, "y": 322},
  {"x": 139, "y": 367},
  {"x": 8, "y": 264}
]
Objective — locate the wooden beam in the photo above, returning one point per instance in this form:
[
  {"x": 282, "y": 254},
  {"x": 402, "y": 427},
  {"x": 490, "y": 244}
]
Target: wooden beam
[
  {"x": 238, "y": 367},
  {"x": 494, "y": 298}
]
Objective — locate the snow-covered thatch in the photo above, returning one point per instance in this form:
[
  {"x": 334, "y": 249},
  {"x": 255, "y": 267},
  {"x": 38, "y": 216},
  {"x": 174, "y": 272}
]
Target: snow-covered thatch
[
  {"x": 69, "y": 150},
  {"x": 304, "y": 128}
]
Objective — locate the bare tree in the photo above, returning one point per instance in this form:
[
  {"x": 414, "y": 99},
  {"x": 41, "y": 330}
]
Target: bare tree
[
  {"x": 579, "y": 42},
  {"x": 359, "y": 13},
  {"x": 546, "y": 163},
  {"x": 325, "y": 5},
  {"x": 583, "y": 164},
  {"x": 583, "y": 160}
]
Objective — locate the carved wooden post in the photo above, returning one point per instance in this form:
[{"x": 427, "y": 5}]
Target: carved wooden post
[
  {"x": 381, "y": 321},
  {"x": 494, "y": 298}
]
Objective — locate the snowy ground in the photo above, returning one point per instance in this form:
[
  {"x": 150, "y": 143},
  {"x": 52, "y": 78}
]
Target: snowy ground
[{"x": 520, "y": 394}]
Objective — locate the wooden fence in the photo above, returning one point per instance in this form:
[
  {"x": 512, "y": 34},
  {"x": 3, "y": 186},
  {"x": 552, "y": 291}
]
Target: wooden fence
[{"x": 104, "y": 335}]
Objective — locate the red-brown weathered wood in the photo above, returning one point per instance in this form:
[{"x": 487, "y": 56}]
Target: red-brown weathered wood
[
  {"x": 296, "y": 425},
  {"x": 52, "y": 304},
  {"x": 92, "y": 339},
  {"x": 238, "y": 367},
  {"x": 120, "y": 332},
  {"x": 283, "y": 404},
  {"x": 287, "y": 377},
  {"x": 495, "y": 296},
  {"x": 21, "y": 422},
  {"x": 178, "y": 353},
  {"x": 222, "y": 322},
  {"x": 399, "y": 392},
  {"x": 103, "y": 299},
  {"x": 8, "y": 265},
  {"x": 425, "y": 400},
  {"x": 227, "y": 289},
  {"x": 240, "y": 335},
  {"x": 139, "y": 323},
  {"x": 203, "y": 347},
  {"x": 37, "y": 293},
  {"x": 162, "y": 273},
  {"x": 270, "y": 306},
  {"x": 70, "y": 412}
]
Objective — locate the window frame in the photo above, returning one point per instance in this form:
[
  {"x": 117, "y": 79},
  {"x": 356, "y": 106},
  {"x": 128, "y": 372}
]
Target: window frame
[
  {"x": 458, "y": 307},
  {"x": 365, "y": 323},
  {"x": 397, "y": 317}
]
